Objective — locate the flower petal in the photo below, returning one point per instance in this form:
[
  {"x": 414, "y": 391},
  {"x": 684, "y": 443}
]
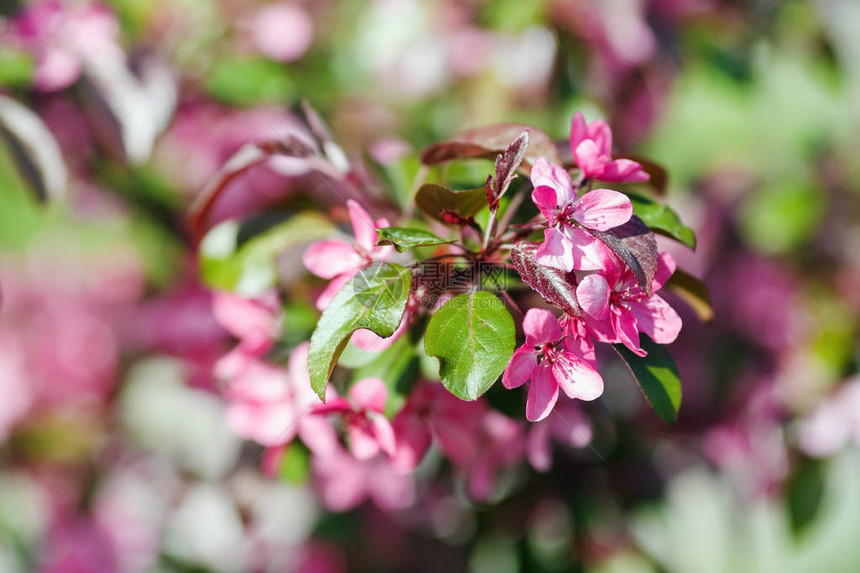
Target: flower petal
[
  {"x": 626, "y": 330},
  {"x": 555, "y": 176},
  {"x": 521, "y": 367},
  {"x": 577, "y": 378},
  {"x": 556, "y": 250},
  {"x": 546, "y": 200},
  {"x": 592, "y": 293},
  {"x": 369, "y": 394},
  {"x": 332, "y": 289},
  {"x": 603, "y": 209},
  {"x": 362, "y": 438},
  {"x": 362, "y": 225},
  {"x": 658, "y": 320},
  {"x": 588, "y": 252},
  {"x": 327, "y": 259},
  {"x": 589, "y": 159},
  {"x": 543, "y": 394},
  {"x": 384, "y": 432},
  {"x": 601, "y": 134},
  {"x": 624, "y": 171},
  {"x": 578, "y": 130},
  {"x": 539, "y": 446},
  {"x": 665, "y": 269},
  {"x": 540, "y": 326}
]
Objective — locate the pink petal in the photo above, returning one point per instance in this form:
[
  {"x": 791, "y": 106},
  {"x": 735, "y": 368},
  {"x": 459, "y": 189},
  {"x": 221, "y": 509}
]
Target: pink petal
[
  {"x": 413, "y": 439},
  {"x": 541, "y": 327},
  {"x": 593, "y": 296},
  {"x": 539, "y": 446},
  {"x": 334, "y": 405},
  {"x": 578, "y": 130},
  {"x": 658, "y": 320},
  {"x": 327, "y": 259},
  {"x": 556, "y": 250},
  {"x": 369, "y": 394},
  {"x": 362, "y": 225},
  {"x": 362, "y": 439},
  {"x": 571, "y": 426},
  {"x": 521, "y": 367},
  {"x": 624, "y": 171},
  {"x": 384, "y": 432},
  {"x": 603, "y": 209},
  {"x": 601, "y": 134},
  {"x": 317, "y": 434},
  {"x": 332, "y": 289},
  {"x": 588, "y": 252},
  {"x": 543, "y": 394},
  {"x": 546, "y": 200},
  {"x": 665, "y": 269},
  {"x": 554, "y": 176},
  {"x": 589, "y": 159},
  {"x": 577, "y": 378},
  {"x": 247, "y": 318},
  {"x": 626, "y": 330}
]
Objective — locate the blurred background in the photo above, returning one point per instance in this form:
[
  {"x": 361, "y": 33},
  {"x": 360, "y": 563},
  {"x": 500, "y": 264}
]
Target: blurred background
[{"x": 115, "y": 455}]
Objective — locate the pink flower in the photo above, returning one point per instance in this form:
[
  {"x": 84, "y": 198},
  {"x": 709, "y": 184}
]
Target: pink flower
[
  {"x": 562, "y": 365},
  {"x": 834, "y": 423},
  {"x": 340, "y": 260},
  {"x": 591, "y": 147},
  {"x": 618, "y": 309},
  {"x": 282, "y": 32},
  {"x": 63, "y": 36},
  {"x": 268, "y": 404},
  {"x": 567, "y": 424},
  {"x": 344, "y": 481},
  {"x": 368, "y": 429},
  {"x": 567, "y": 245}
]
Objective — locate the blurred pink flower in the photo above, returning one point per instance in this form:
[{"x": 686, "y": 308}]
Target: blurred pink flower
[
  {"x": 591, "y": 146},
  {"x": 15, "y": 386},
  {"x": 618, "y": 309},
  {"x": 340, "y": 260},
  {"x": 368, "y": 429},
  {"x": 345, "y": 481},
  {"x": 268, "y": 404},
  {"x": 62, "y": 36},
  {"x": 834, "y": 423},
  {"x": 567, "y": 424},
  {"x": 282, "y": 32},
  {"x": 77, "y": 545},
  {"x": 566, "y": 245},
  {"x": 561, "y": 365}
]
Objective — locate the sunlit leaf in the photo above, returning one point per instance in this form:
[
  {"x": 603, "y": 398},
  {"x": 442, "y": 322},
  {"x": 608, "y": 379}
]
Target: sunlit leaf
[
  {"x": 404, "y": 239},
  {"x": 657, "y": 377}
]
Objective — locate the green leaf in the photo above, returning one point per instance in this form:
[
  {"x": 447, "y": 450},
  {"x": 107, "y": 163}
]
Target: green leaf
[
  {"x": 435, "y": 200},
  {"x": 662, "y": 219},
  {"x": 374, "y": 298},
  {"x": 692, "y": 291},
  {"x": 404, "y": 239},
  {"x": 295, "y": 465},
  {"x": 473, "y": 337},
  {"x": 657, "y": 377},
  {"x": 246, "y": 81},
  {"x": 250, "y": 268}
]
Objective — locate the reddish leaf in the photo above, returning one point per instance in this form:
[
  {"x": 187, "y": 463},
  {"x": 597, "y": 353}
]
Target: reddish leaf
[
  {"x": 552, "y": 284},
  {"x": 635, "y": 244},
  {"x": 248, "y": 156},
  {"x": 487, "y": 142},
  {"x": 507, "y": 164},
  {"x": 448, "y": 205}
]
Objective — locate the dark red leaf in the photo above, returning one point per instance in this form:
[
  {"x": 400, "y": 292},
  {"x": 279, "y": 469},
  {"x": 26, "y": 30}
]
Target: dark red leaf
[
  {"x": 635, "y": 244},
  {"x": 487, "y": 142},
  {"x": 440, "y": 202},
  {"x": 507, "y": 164},
  {"x": 552, "y": 284}
]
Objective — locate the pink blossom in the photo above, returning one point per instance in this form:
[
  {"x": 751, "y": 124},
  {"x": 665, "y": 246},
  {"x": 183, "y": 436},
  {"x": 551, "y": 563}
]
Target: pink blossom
[
  {"x": 834, "y": 423},
  {"x": 254, "y": 321},
  {"x": 618, "y": 309},
  {"x": 345, "y": 481},
  {"x": 567, "y": 424},
  {"x": 591, "y": 147},
  {"x": 76, "y": 545},
  {"x": 282, "y": 32},
  {"x": 63, "y": 36},
  {"x": 268, "y": 404},
  {"x": 567, "y": 245},
  {"x": 368, "y": 429},
  {"x": 550, "y": 361},
  {"x": 339, "y": 260}
]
